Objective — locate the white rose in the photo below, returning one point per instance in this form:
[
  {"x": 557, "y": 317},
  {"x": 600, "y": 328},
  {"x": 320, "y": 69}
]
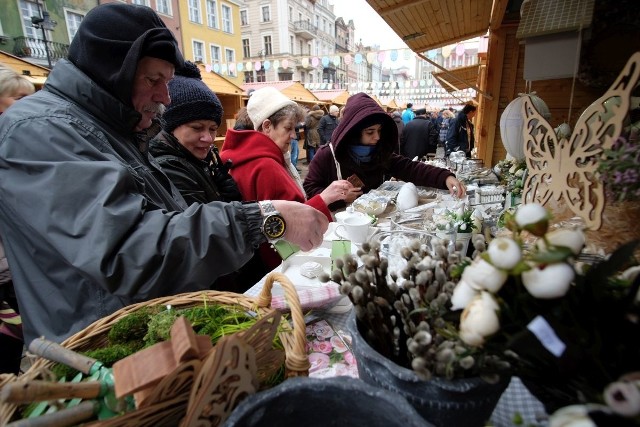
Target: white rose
[
  {"x": 481, "y": 275},
  {"x": 529, "y": 214},
  {"x": 479, "y": 319},
  {"x": 504, "y": 253},
  {"x": 571, "y": 416},
  {"x": 572, "y": 239},
  {"x": 519, "y": 172},
  {"x": 463, "y": 226},
  {"x": 552, "y": 281},
  {"x": 512, "y": 169},
  {"x": 623, "y": 398},
  {"x": 462, "y": 295}
]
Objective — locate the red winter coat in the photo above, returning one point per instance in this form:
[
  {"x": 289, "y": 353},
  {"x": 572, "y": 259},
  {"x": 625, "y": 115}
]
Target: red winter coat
[{"x": 260, "y": 171}]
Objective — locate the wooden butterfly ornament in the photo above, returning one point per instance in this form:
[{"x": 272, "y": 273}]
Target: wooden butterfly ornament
[{"x": 567, "y": 170}]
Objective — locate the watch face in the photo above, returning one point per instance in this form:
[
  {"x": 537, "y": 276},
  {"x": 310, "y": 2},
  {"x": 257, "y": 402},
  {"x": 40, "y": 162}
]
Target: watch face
[{"x": 274, "y": 227}]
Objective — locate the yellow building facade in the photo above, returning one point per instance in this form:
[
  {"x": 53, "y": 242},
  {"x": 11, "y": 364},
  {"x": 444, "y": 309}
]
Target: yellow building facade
[{"x": 211, "y": 35}]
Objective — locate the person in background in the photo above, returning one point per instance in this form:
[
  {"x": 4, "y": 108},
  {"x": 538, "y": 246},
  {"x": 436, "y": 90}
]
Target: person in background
[
  {"x": 363, "y": 146},
  {"x": 447, "y": 118},
  {"x": 408, "y": 114},
  {"x": 294, "y": 151},
  {"x": 397, "y": 118},
  {"x": 89, "y": 220},
  {"x": 460, "y": 135},
  {"x": 186, "y": 152},
  {"x": 312, "y": 136},
  {"x": 327, "y": 124},
  {"x": 261, "y": 164},
  {"x": 419, "y": 136},
  {"x": 243, "y": 122},
  {"x": 13, "y": 87}
]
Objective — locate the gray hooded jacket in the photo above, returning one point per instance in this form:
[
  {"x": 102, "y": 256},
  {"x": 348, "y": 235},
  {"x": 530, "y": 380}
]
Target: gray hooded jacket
[{"x": 90, "y": 222}]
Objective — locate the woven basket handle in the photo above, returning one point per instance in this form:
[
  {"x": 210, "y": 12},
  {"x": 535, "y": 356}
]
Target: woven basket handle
[{"x": 297, "y": 360}]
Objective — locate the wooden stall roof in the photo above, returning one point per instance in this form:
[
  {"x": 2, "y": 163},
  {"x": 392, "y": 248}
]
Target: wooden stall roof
[
  {"x": 294, "y": 90},
  {"x": 458, "y": 78},
  {"x": 428, "y": 24},
  {"x": 338, "y": 97},
  {"x": 219, "y": 84},
  {"x": 393, "y": 104},
  {"x": 37, "y": 74}
]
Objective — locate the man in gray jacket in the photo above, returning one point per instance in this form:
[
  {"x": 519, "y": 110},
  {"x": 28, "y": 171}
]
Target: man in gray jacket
[{"x": 89, "y": 220}]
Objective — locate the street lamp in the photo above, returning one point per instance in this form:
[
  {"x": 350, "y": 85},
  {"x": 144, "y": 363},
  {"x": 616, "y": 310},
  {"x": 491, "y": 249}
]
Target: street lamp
[{"x": 45, "y": 24}]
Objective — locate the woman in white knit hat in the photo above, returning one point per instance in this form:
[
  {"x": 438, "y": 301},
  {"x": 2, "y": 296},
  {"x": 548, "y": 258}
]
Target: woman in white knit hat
[{"x": 261, "y": 164}]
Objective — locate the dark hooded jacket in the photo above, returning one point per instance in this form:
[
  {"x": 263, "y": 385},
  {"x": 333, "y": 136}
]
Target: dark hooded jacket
[
  {"x": 460, "y": 135},
  {"x": 197, "y": 180},
  {"x": 361, "y": 112},
  {"x": 89, "y": 221},
  {"x": 418, "y": 138}
]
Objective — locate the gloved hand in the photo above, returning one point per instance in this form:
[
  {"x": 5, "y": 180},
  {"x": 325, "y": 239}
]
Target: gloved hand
[{"x": 226, "y": 185}]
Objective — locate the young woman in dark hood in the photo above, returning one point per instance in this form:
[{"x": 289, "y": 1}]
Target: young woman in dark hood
[{"x": 363, "y": 146}]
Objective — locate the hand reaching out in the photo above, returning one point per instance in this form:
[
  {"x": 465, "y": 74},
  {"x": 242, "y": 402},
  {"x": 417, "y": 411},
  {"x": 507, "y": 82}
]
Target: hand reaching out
[
  {"x": 340, "y": 190},
  {"x": 456, "y": 188}
]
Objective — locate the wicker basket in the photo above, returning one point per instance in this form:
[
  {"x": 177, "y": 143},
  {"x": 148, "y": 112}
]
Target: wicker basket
[{"x": 172, "y": 407}]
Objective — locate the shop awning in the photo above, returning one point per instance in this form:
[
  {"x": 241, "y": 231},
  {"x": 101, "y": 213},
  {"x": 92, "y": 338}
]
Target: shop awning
[
  {"x": 36, "y": 74},
  {"x": 338, "y": 97},
  {"x": 427, "y": 24},
  {"x": 219, "y": 84},
  {"x": 458, "y": 78},
  {"x": 293, "y": 90}
]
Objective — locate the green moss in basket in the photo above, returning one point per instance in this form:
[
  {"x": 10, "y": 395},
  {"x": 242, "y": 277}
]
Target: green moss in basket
[
  {"x": 132, "y": 327},
  {"x": 107, "y": 355}
]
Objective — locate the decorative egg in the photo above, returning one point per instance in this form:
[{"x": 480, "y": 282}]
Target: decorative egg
[
  {"x": 512, "y": 123},
  {"x": 407, "y": 197}
]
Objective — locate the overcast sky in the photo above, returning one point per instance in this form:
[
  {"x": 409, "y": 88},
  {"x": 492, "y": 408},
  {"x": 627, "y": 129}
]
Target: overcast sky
[{"x": 370, "y": 27}]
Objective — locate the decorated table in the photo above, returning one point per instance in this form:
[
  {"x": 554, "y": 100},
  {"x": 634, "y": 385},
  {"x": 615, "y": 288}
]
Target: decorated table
[{"x": 323, "y": 301}]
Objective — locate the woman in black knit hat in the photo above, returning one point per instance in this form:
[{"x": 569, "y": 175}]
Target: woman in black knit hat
[{"x": 186, "y": 152}]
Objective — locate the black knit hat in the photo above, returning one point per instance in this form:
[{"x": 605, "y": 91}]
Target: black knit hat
[
  {"x": 113, "y": 37},
  {"x": 191, "y": 99}
]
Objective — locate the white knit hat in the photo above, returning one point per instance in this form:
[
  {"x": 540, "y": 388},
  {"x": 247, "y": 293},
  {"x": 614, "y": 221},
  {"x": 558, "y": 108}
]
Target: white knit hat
[
  {"x": 264, "y": 102},
  {"x": 334, "y": 109}
]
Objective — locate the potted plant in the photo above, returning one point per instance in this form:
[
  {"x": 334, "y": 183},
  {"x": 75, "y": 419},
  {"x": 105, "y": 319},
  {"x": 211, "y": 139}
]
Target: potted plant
[
  {"x": 405, "y": 337},
  {"x": 512, "y": 174},
  {"x": 569, "y": 329},
  {"x": 458, "y": 224}
]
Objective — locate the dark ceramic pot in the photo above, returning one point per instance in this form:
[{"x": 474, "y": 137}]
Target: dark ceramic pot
[
  {"x": 460, "y": 403},
  {"x": 313, "y": 402}
]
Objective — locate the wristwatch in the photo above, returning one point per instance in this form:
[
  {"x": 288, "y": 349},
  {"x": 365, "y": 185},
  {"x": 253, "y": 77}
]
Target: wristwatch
[{"x": 273, "y": 224}]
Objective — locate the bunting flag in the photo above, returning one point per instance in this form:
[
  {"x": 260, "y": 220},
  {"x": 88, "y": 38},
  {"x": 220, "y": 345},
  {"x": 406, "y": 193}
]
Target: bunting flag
[{"x": 372, "y": 57}]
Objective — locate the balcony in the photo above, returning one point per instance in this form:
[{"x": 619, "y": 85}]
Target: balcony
[
  {"x": 34, "y": 49},
  {"x": 305, "y": 30}
]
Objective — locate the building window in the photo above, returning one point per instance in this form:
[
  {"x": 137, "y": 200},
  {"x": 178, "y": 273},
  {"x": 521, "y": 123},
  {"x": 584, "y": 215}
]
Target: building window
[
  {"x": 248, "y": 76},
  {"x": 267, "y": 45},
  {"x": 212, "y": 14},
  {"x": 266, "y": 14},
  {"x": 198, "y": 51},
  {"x": 194, "y": 11},
  {"x": 215, "y": 54},
  {"x": 291, "y": 44},
  {"x": 246, "y": 48},
  {"x": 285, "y": 76},
  {"x": 244, "y": 17},
  {"x": 230, "y": 55},
  {"x": 227, "y": 25},
  {"x": 164, "y": 7},
  {"x": 73, "y": 20},
  {"x": 29, "y": 9},
  {"x": 261, "y": 76},
  {"x": 290, "y": 14},
  {"x": 141, "y": 2}
]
